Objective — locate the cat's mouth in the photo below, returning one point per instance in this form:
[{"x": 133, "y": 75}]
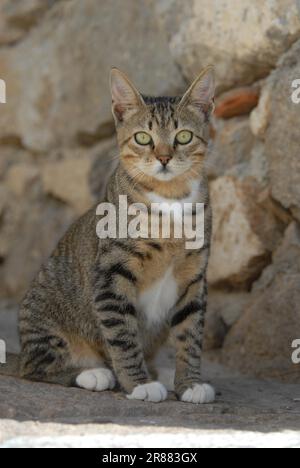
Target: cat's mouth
[{"x": 164, "y": 170}]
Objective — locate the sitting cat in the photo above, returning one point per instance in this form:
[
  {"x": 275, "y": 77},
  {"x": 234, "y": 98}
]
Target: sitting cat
[{"x": 100, "y": 308}]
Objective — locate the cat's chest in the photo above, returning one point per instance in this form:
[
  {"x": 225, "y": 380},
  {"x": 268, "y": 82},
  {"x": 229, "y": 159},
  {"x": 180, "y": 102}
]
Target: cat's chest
[{"x": 157, "y": 301}]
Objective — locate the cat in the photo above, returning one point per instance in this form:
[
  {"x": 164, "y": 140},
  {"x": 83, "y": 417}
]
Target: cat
[{"x": 99, "y": 309}]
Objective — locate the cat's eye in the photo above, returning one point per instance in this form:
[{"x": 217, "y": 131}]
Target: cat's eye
[
  {"x": 143, "y": 138},
  {"x": 184, "y": 137}
]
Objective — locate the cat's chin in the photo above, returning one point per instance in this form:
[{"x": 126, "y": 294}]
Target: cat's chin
[{"x": 164, "y": 176}]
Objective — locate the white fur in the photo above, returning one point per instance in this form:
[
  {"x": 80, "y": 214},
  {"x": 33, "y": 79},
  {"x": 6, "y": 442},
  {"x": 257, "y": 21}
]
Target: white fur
[
  {"x": 96, "y": 380},
  {"x": 157, "y": 302},
  {"x": 193, "y": 197},
  {"x": 154, "y": 391},
  {"x": 199, "y": 394}
]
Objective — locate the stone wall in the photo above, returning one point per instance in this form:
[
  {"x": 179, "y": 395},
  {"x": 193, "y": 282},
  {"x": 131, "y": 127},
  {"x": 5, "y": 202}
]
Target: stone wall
[{"x": 57, "y": 145}]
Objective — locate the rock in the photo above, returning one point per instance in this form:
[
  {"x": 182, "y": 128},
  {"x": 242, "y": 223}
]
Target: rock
[
  {"x": 39, "y": 201},
  {"x": 109, "y": 419},
  {"x": 260, "y": 343},
  {"x": 237, "y": 102},
  {"x": 231, "y": 146},
  {"x": 215, "y": 329},
  {"x": 20, "y": 176},
  {"x": 69, "y": 71},
  {"x": 18, "y": 17},
  {"x": 242, "y": 39},
  {"x": 3, "y": 198},
  {"x": 9, "y": 326},
  {"x": 105, "y": 157},
  {"x": 260, "y": 116},
  {"x": 68, "y": 181},
  {"x": 228, "y": 305},
  {"x": 282, "y": 134},
  {"x": 40, "y": 222},
  {"x": 286, "y": 258},
  {"x": 244, "y": 233}
]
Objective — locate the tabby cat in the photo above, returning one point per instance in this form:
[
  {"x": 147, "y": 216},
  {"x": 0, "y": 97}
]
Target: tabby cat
[{"x": 99, "y": 309}]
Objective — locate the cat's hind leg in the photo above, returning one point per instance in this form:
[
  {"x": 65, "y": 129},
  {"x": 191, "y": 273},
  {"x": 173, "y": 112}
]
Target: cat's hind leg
[
  {"x": 55, "y": 364},
  {"x": 48, "y": 357}
]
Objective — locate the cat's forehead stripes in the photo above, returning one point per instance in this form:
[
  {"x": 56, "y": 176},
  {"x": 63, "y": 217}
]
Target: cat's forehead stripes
[{"x": 162, "y": 110}]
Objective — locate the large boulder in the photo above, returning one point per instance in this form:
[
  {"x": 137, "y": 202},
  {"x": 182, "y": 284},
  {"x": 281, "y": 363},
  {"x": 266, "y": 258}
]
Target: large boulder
[
  {"x": 280, "y": 122},
  {"x": 244, "y": 232},
  {"x": 39, "y": 222},
  {"x": 232, "y": 145},
  {"x": 18, "y": 17},
  {"x": 68, "y": 180},
  {"x": 58, "y": 91},
  {"x": 242, "y": 39},
  {"x": 260, "y": 343}
]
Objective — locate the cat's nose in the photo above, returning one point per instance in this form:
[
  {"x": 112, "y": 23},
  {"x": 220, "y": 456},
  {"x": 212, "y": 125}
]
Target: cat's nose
[{"x": 164, "y": 160}]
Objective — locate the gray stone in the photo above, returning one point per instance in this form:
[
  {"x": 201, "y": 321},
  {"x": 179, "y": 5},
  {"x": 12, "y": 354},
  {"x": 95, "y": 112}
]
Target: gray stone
[
  {"x": 231, "y": 146},
  {"x": 17, "y": 17},
  {"x": 282, "y": 134},
  {"x": 244, "y": 232},
  {"x": 242, "y": 39},
  {"x": 229, "y": 306},
  {"x": 247, "y": 413},
  {"x": 260, "y": 343},
  {"x": 59, "y": 83}
]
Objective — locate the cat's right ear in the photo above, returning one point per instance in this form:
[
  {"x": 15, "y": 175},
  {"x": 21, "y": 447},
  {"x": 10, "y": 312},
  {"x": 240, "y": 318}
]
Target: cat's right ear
[{"x": 126, "y": 100}]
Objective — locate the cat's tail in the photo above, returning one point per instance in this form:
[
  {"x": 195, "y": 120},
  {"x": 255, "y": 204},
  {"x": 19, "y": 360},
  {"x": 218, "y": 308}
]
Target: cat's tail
[{"x": 12, "y": 366}]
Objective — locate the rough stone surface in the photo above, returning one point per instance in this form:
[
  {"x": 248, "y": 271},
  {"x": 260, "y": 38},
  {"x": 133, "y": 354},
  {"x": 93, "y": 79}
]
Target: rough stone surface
[
  {"x": 261, "y": 341},
  {"x": 242, "y": 39},
  {"x": 228, "y": 306},
  {"x": 40, "y": 223},
  {"x": 242, "y": 234},
  {"x": 240, "y": 101},
  {"x": 18, "y": 17},
  {"x": 231, "y": 146},
  {"x": 68, "y": 181},
  {"x": 20, "y": 177},
  {"x": 60, "y": 93},
  {"x": 42, "y": 415},
  {"x": 260, "y": 116},
  {"x": 282, "y": 135}
]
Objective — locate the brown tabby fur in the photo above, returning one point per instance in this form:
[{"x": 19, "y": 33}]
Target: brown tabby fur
[{"x": 82, "y": 309}]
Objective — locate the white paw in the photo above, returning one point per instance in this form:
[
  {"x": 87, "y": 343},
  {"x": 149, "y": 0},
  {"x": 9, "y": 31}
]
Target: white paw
[
  {"x": 154, "y": 391},
  {"x": 96, "y": 380},
  {"x": 199, "y": 394}
]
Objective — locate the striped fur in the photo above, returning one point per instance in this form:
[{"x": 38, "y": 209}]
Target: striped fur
[{"x": 85, "y": 308}]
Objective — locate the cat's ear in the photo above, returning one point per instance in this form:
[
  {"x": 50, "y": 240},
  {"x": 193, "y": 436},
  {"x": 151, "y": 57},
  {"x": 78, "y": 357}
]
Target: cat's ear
[
  {"x": 200, "y": 95},
  {"x": 126, "y": 100}
]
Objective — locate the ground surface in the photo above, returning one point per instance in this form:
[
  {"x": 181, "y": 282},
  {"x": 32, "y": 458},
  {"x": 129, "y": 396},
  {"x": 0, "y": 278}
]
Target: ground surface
[{"x": 247, "y": 413}]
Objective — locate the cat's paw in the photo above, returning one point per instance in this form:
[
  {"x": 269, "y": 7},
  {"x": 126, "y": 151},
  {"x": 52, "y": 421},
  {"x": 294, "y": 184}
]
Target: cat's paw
[
  {"x": 199, "y": 393},
  {"x": 154, "y": 391},
  {"x": 96, "y": 380}
]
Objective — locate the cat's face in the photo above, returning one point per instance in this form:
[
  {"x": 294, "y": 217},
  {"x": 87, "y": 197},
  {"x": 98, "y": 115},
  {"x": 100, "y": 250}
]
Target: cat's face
[{"x": 162, "y": 138}]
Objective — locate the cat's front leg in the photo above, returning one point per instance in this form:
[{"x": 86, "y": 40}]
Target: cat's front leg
[
  {"x": 187, "y": 332},
  {"x": 114, "y": 304}
]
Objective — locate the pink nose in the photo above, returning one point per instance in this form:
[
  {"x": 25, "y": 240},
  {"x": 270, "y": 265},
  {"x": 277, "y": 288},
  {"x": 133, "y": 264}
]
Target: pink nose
[{"x": 164, "y": 159}]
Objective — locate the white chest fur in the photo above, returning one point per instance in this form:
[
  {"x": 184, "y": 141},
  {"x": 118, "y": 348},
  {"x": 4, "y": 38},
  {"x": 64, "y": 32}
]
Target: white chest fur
[
  {"x": 176, "y": 205},
  {"x": 157, "y": 302}
]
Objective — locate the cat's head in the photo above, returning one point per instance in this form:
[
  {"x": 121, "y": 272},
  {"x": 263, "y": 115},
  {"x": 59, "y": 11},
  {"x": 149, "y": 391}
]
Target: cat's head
[{"x": 162, "y": 138}]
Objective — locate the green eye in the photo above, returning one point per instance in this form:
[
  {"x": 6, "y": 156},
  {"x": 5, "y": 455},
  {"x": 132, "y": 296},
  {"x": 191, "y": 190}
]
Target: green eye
[
  {"x": 184, "y": 137},
  {"x": 143, "y": 138}
]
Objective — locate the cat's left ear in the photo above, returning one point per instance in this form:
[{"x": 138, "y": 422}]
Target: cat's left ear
[
  {"x": 200, "y": 95},
  {"x": 126, "y": 100}
]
